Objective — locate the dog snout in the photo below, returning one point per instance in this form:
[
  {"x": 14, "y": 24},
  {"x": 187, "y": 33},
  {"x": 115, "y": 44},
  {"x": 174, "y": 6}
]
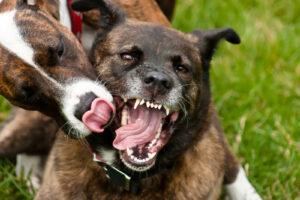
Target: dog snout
[
  {"x": 84, "y": 104},
  {"x": 157, "y": 83}
]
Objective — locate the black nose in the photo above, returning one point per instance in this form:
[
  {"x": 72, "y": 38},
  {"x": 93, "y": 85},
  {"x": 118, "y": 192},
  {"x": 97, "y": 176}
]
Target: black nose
[
  {"x": 84, "y": 104},
  {"x": 157, "y": 83}
]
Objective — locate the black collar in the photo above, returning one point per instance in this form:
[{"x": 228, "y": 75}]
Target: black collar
[{"x": 118, "y": 177}]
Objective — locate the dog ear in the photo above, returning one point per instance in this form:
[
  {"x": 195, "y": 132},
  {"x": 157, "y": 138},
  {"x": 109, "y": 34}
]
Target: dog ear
[
  {"x": 110, "y": 14},
  {"x": 209, "y": 40}
]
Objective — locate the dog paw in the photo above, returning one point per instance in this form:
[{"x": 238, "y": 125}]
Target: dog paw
[{"x": 241, "y": 188}]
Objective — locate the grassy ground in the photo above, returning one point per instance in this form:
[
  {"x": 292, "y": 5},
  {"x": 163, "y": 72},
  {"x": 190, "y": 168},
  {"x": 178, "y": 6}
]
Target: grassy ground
[{"x": 256, "y": 89}]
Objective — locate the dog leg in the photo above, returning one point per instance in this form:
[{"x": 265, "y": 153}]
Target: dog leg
[
  {"x": 26, "y": 132},
  {"x": 237, "y": 185},
  {"x": 32, "y": 167},
  {"x": 241, "y": 188}
]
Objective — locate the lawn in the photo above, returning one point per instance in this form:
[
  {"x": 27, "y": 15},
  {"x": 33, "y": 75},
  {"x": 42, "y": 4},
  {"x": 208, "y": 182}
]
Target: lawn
[{"x": 256, "y": 89}]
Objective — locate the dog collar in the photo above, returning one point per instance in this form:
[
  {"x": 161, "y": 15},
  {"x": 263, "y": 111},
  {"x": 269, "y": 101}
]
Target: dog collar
[
  {"x": 115, "y": 175},
  {"x": 76, "y": 21}
]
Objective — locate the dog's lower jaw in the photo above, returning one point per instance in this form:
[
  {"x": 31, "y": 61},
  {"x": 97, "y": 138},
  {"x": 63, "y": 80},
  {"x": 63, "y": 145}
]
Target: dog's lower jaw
[
  {"x": 138, "y": 143},
  {"x": 135, "y": 168}
]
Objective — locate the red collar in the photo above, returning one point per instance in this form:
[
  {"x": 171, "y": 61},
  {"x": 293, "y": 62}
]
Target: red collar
[{"x": 76, "y": 21}]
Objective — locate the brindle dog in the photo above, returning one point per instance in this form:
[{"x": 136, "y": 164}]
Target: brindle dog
[
  {"x": 43, "y": 67},
  {"x": 158, "y": 76}
]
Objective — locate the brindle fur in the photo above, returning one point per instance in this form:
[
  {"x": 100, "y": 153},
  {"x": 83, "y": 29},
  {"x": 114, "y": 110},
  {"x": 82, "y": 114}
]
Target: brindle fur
[
  {"x": 72, "y": 174},
  {"x": 39, "y": 125},
  {"x": 196, "y": 160},
  {"x": 197, "y": 174},
  {"x": 91, "y": 18},
  {"x": 21, "y": 83},
  {"x": 151, "y": 11}
]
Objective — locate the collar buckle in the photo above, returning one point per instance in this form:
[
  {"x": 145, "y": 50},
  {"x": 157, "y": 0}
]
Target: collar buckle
[{"x": 118, "y": 177}]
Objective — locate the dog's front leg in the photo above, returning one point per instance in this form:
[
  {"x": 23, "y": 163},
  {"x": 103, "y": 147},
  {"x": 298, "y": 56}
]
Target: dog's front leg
[
  {"x": 28, "y": 136},
  {"x": 28, "y": 132},
  {"x": 241, "y": 188},
  {"x": 237, "y": 185}
]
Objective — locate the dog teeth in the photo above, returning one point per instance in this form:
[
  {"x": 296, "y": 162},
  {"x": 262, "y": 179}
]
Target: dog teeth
[
  {"x": 129, "y": 151},
  {"x": 147, "y": 104},
  {"x": 151, "y": 155},
  {"x": 31, "y": 2},
  {"x": 142, "y": 102},
  {"x": 156, "y": 136},
  {"x": 124, "y": 116},
  {"x": 137, "y": 102},
  {"x": 167, "y": 110},
  {"x": 124, "y": 99}
]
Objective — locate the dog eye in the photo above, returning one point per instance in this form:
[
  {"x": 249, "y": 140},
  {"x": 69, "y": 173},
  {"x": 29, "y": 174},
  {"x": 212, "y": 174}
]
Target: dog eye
[
  {"x": 127, "y": 57},
  {"x": 181, "y": 68}
]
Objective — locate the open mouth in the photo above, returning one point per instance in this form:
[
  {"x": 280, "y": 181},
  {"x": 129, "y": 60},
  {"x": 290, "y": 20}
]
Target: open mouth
[{"x": 142, "y": 129}]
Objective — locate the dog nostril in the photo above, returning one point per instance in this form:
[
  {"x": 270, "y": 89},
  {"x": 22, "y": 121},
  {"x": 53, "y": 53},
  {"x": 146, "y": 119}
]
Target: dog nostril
[
  {"x": 166, "y": 84},
  {"x": 149, "y": 80},
  {"x": 84, "y": 104}
]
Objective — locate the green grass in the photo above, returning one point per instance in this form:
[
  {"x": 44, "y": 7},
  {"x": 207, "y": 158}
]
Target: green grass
[
  {"x": 256, "y": 86},
  {"x": 256, "y": 89}
]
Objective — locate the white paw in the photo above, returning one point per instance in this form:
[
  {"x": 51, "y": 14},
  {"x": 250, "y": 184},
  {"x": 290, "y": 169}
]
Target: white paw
[
  {"x": 241, "y": 188},
  {"x": 32, "y": 167}
]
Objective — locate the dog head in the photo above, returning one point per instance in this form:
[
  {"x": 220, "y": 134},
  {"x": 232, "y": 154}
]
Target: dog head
[
  {"x": 43, "y": 67},
  {"x": 159, "y": 78}
]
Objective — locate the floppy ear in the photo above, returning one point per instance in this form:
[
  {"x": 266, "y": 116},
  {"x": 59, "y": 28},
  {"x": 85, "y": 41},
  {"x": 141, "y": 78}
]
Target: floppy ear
[
  {"x": 209, "y": 40},
  {"x": 110, "y": 14}
]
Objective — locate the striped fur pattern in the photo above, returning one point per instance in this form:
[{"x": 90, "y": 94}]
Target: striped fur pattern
[{"x": 43, "y": 67}]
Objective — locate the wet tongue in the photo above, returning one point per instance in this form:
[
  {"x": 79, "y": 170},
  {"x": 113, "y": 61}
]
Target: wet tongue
[
  {"x": 99, "y": 115},
  {"x": 141, "y": 129}
]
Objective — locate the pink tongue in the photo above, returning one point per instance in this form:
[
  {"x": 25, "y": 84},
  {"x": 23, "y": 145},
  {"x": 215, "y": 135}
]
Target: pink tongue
[
  {"x": 99, "y": 115},
  {"x": 142, "y": 128}
]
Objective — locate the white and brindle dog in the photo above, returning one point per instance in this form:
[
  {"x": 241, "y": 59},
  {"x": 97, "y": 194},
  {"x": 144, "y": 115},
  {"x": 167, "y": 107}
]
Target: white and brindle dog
[{"x": 43, "y": 67}]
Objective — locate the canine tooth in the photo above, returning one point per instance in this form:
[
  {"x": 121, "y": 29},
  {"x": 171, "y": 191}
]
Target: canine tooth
[
  {"x": 151, "y": 105},
  {"x": 159, "y": 106},
  {"x": 147, "y": 104},
  {"x": 124, "y": 99},
  {"x": 142, "y": 102},
  {"x": 124, "y": 116},
  {"x": 129, "y": 151},
  {"x": 167, "y": 110},
  {"x": 158, "y": 131},
  {"x": 151, "y": 155},
  {"x": 31, "y": 2},
  {"x": 137, "y": 102}
]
